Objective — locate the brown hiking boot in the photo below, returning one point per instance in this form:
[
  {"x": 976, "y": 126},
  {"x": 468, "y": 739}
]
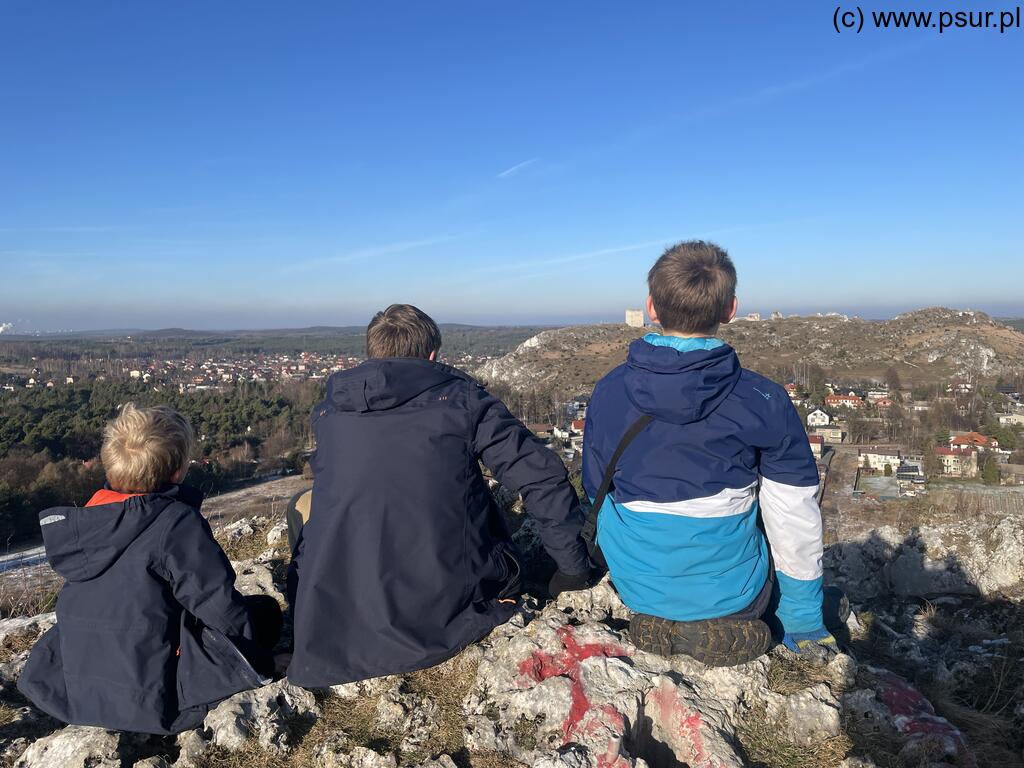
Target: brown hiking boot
[{"x": 715, "y": 642}]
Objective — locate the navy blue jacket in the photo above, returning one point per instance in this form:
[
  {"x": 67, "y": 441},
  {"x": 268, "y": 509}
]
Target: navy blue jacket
[
  {"x": 144, "y": 618},
  {"x": 405, "y": 556},
  {"x": 680, "y": 529}
]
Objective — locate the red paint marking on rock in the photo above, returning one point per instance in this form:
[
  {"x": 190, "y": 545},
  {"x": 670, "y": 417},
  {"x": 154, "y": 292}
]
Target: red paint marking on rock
[
  {"x": 612, "y": 758},
  {"x": 673, "y": 713},
  {"x": 542, "y": 666},
  {"x": 915, "y": 716}
]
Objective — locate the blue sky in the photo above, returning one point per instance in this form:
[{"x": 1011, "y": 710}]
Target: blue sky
[{"x": 270, "y": 164}]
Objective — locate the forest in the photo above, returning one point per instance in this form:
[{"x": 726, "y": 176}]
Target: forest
[{"x": 50, "y": 439}]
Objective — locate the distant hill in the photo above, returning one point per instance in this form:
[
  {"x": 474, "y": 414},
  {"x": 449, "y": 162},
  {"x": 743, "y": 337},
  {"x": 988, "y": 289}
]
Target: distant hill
[
  {"x": 925, "y": 346},
  {"x": 172, "y": 343}
]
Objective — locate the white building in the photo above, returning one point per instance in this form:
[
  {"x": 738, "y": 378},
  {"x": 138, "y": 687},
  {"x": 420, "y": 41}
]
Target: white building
[
  {"x": 879, "y": 458},
  {"x": 1012, "y": 419},
  {"x": 818, "y": 418}
]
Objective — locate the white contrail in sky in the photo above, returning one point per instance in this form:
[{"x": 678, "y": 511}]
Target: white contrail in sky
[{"x": 517, "y": 168}]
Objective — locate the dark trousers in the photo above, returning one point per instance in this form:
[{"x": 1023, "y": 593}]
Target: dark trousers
[{"x": 266, "y": 622}]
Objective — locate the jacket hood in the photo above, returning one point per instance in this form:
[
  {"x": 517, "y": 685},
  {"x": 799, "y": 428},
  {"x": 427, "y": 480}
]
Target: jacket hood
[
  {"x": 679, "y": 387},
  {"x": 384, "y": 383},
  {"x": 82, "y": 542}
]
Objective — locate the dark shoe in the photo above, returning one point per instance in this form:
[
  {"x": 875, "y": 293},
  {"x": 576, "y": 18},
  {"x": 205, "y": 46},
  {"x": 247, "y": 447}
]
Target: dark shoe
[
  {"x": 565, "y": 582},
  {"x": 715, "y": 642},
  {"x": 835, "y": 608}
]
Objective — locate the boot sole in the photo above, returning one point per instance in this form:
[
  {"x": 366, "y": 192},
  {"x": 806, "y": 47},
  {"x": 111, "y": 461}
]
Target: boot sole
[{"x": 715, "y": 642}]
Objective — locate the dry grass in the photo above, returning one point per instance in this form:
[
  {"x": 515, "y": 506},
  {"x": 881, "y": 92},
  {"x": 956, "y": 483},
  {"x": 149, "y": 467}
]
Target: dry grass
[
  {"x": 346, "y": 724},
  {"x": 17, "y": 643},
  {"x": 7, "y": 714},
  {"x": 447, "y": 685},
  {"x": 28, "y": 594},
  {"x": 948, "y": 625},
  {"x": 765, "y": 748},
  {"x": 791, "y": 674},
  {"x": 982, "y": 707},
  {"x": 248, "y": 546}
]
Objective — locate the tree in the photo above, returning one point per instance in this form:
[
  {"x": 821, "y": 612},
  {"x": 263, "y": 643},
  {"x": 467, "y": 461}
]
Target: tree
[
  {"x": 859, "y": 428},
  {"x": 887, "y": 471},
  {"x": 990, "y": 471},
  {"x": 892, "y": 379}
]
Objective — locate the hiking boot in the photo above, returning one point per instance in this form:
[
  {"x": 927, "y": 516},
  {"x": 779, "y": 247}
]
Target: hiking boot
[
  {"x": 714, "y": 642},
  {"x": 835, "y": 608}
]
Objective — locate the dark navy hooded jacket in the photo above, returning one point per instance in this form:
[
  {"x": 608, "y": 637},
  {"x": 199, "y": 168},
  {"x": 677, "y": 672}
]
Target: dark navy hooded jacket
[
  {"x": 144, "y": 617},
  {"x": 680, "y": 528},
  {"x": 405, "y": 556}
]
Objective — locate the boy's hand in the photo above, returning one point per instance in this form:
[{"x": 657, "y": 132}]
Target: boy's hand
[
  {"x": 818, "y": 645},
  {"x": 566, "y": 582}
]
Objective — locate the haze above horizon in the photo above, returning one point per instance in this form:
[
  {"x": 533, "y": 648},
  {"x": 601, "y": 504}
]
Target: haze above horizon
[{"x": 254, "y": 165}]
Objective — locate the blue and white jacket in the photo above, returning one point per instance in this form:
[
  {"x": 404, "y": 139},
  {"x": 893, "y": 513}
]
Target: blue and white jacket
[{"x": 680, "y": 528}]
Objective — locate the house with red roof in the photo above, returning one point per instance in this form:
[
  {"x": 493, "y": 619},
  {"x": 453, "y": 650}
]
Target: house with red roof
[
  {"x": 843, "y": 401},
  {"x": 973, "y": 440},
  {"x": 958, "y": 462},
  {"x": 817, "y": 445}
]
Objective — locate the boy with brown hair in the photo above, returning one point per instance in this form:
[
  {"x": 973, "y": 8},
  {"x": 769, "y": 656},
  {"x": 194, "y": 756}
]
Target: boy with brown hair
[
  {"x": 150, "y": 631},
  {"x": 695, "y": 465},
  {"x": 405, "y": 558}
]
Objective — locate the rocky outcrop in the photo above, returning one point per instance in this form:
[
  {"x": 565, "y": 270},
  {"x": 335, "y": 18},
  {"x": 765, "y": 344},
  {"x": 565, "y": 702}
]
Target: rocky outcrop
[
  {"x": 559, "y": 686},
  {"x": 932, "y": 343},
  {"x": 980, "y": 556}
]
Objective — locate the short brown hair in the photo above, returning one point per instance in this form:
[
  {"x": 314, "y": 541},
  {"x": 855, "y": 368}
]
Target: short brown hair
[
  {"x": 692, "y": 285},
  {"x": 402, "y": 330},
  {"x": 143, "y": 448}
]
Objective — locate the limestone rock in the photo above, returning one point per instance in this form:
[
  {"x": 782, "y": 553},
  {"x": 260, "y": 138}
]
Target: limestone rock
[
  {"x": 255, "y": 578},
  {"x": 375, "y": 686},
  {"x": 556, "y": 684},
  {"x": 807, "y": 717},
  {"x": 266, "y": 713},
  {"x": 76, "y": 746},
  {"x": 360, "y": 757},
  {"x": 191, "y": 746},
  {"x": 966, "y": 557},
  {"x": 36, "y": 624},
  {"x": 411, "y": 714},
  {"x": 277, "y": 536},
  {"x": 440, "y": 762}
]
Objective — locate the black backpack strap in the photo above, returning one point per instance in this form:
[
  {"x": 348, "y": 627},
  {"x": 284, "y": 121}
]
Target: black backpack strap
[{"x": 589, "y": 532}]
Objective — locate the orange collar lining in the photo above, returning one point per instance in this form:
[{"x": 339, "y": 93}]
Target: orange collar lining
[{"x": 107, "y": 496}]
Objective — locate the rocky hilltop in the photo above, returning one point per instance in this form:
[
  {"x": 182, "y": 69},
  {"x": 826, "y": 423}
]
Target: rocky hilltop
[
  {"x": 931, "y": 676},
  {"x": 926, "y": 346}
]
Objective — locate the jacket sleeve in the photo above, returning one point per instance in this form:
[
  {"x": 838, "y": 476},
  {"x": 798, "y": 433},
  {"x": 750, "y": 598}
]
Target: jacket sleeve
[
  {"x": 594, "y": 463},
  {"x": 201, "y": 575},
  {"x": 792, "y": 520},
  {"x": 523, "y": 464}
]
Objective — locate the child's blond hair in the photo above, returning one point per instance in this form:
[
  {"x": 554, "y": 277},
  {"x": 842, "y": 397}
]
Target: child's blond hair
[{"x": 143, "y": 448}]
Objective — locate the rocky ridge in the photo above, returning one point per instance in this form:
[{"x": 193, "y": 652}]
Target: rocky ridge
[
  {"x": 926, "y": 346},
  {"x": 562, "y": 685}
]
